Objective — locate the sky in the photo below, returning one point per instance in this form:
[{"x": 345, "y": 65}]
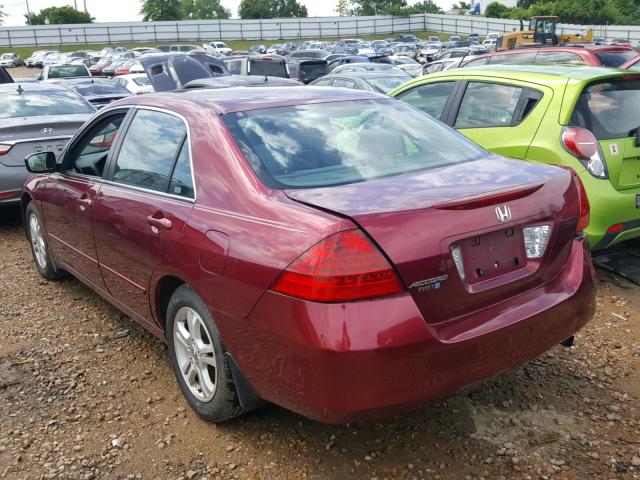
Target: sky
[{"x": 129, "y": 10}]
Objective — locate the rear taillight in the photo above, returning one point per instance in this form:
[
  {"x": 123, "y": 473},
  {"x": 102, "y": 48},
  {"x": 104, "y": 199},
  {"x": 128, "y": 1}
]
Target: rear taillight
[
  {"x": 4, "y": 148},
  {"x": 583, "y": 201},
  {"x": 583, "y": 222},
  {"x": 344, "y": 266},
  {"x": 583, "y": 145}
]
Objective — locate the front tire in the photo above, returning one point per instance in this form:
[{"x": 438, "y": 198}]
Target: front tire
[
  {"x": 39, "y": 245},
  {"x": 198, "y": 358}
]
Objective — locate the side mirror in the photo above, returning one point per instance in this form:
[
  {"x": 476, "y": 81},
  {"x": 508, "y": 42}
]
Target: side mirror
[{"x": 43, "y": 162}]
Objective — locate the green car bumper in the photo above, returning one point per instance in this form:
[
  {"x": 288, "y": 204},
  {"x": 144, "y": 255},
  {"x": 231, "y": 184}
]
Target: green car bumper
[{"x": 609, "y": 208}]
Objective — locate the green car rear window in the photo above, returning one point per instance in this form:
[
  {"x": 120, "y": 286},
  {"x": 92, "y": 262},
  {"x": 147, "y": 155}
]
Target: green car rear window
[{"x": 609, "y": 108}]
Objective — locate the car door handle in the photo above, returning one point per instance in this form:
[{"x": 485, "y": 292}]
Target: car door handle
[
  {"x": 84, "y": 202},
  {"x": 161, "y": 222}
]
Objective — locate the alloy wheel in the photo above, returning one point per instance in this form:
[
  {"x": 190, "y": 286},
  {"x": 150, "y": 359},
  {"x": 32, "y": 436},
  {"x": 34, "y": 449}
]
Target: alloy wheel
[
  {"x": 195, "y": 353},
  {"x": 37, "y": 241}
]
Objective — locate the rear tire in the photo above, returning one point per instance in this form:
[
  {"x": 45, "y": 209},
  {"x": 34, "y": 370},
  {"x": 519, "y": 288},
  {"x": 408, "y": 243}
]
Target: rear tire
[
  {"x": 198, "y": 358},
  {"x": 39, "y": 246}
]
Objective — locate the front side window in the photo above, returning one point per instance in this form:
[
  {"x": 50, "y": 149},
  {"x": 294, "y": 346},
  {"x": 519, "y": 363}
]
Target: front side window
[
  {"x": 89, "y": 155},
  {"x": 320, "y": 145},
  {"x": 149, "y": 150},
  {"x": 488, "y": 105},
  {"x": 30, "y": 103},
  {"x": 430, "y": 98}
]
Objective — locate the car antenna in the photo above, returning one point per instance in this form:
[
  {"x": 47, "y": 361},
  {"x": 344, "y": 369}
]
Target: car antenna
[{"x": 20, "y": 89}]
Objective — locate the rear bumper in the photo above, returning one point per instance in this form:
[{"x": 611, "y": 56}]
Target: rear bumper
[
  {"x": 11, "y": 181},
  {"x": 373, "y": 359},
  {"x": 610, "y": 207}
]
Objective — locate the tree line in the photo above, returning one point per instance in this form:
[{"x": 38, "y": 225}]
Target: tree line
[{"x": 584, "y": 12}]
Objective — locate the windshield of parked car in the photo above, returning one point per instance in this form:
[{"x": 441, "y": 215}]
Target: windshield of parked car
[
  {"x": 68, "y": 71},
  {"x": 609, "y": 108},
  {"x": 42, "y": 102},
  {"x": 386, "y": 84},
  {"x": 615, "y": 59},
  {"x": 320, "y": 145},
  {"x": 141, "y": 81}
]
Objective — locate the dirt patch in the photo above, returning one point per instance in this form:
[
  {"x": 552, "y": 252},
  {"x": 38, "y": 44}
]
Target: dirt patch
[{"x": 85, "y": 393}]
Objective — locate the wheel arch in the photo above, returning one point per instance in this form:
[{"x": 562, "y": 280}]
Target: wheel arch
[{"x": 165, "y": 286}]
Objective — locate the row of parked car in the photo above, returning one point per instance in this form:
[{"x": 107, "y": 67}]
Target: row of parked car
[{"x": 343, "y": 253}]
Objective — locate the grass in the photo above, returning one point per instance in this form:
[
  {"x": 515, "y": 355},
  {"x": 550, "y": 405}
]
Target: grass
[{"x": 25, "y": 52}]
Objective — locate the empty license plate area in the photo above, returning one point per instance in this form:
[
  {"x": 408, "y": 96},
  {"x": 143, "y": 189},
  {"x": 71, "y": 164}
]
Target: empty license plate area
[
  {"x": 493, "y": 254},
  {"x": 55, "y": 147}
]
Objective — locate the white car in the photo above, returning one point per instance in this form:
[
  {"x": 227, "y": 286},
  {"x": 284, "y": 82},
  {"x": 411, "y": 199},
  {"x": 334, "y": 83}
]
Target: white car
[
  {"x": 137, "y": 83},
  {"x": 59, "y": 72},
  {"x": 10, "y": 60},
  {"x": 219, "y": 48},
  {"x": 407, "y": 64}
]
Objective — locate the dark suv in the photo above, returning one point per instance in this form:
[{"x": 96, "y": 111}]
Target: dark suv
[{"x": 596, "y": 55}]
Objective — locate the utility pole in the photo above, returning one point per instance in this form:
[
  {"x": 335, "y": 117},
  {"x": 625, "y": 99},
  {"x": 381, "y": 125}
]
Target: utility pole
[
  {"x": 85, "y": 6},
  {"x": 28, "y": 11},
  {"x": 75, "y": 4}
]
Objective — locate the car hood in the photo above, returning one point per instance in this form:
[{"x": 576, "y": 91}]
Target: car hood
[{"x": 172, "y": 71}]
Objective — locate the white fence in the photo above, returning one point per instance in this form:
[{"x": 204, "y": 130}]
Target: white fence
[{"x": 272, "y": 29}]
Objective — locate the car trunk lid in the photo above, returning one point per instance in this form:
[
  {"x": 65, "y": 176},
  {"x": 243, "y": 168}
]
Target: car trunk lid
[
  {"x": 478, "y": 208},
  {"x": 608, "y": 109},
  {"x": 37, "y": 134}
]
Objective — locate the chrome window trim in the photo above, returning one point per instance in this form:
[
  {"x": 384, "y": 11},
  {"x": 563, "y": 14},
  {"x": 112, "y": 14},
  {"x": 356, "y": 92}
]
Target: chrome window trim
[
  {"x": 188, "y": 141},
  {"x": 37, "y": 139},
  {"x": 105, "y": 112}
]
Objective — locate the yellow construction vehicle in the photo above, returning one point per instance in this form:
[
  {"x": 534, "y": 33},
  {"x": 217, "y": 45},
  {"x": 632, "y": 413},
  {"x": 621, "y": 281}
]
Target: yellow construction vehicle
[{"x": 542, "y": 31}]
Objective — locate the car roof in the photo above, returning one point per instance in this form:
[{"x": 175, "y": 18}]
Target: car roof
[
  {"x": 370, "y": 74},
  {"x": 537, "y": 72},
  {"x": 239, "y": 99},
  {"x": 31, "y": 86}
]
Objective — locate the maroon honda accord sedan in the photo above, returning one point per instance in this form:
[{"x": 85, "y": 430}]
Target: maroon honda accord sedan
[{"x": 336, "y": 252}]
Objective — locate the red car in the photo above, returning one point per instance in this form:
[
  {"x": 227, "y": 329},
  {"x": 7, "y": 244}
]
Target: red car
[
  {"x": 333, "y": 251},
  {"x": 596, "y": 55},
  {"x": 633, "y": 64}
]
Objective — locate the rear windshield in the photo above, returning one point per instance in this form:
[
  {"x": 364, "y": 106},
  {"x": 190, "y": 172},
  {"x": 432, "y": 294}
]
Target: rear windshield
[
  {"x": 609, "y": 108},
  {"x": 326, "y": 144},
  {"x": 142, "y": 81},
  {"x": 42, "y": 102},
  {"x": 68, "y": 72},
  {"x": 273, "y": 68},
  {"x": 101, "y": 89},
  {"x": 310, "y": 69},
  {"x": 615, "y": 59}
]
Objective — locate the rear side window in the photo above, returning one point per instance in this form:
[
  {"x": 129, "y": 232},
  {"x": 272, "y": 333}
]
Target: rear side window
[
  {"x": 149, "y": 150},
  {"x": 558, "y": 57},
  {"x": 609, "y": 108},
  {"x": 41, "y": 102},
  {"x": 515, "y": 58},
  {"x": 429, "y": 98},
  {"x": 488, "y": 105},
  {"x": 615, "y": 59}
]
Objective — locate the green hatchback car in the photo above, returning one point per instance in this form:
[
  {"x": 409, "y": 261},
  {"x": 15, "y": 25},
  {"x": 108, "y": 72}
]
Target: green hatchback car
[{"x": 587, "y": 118}]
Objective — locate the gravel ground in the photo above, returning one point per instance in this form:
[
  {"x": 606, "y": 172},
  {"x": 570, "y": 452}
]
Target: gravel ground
[{"x": 85, "y": 393}]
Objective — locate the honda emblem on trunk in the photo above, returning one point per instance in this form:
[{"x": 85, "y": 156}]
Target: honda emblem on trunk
[
  {"x": 503, "y": 213},
  {"x": 46, "y": 131}
]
